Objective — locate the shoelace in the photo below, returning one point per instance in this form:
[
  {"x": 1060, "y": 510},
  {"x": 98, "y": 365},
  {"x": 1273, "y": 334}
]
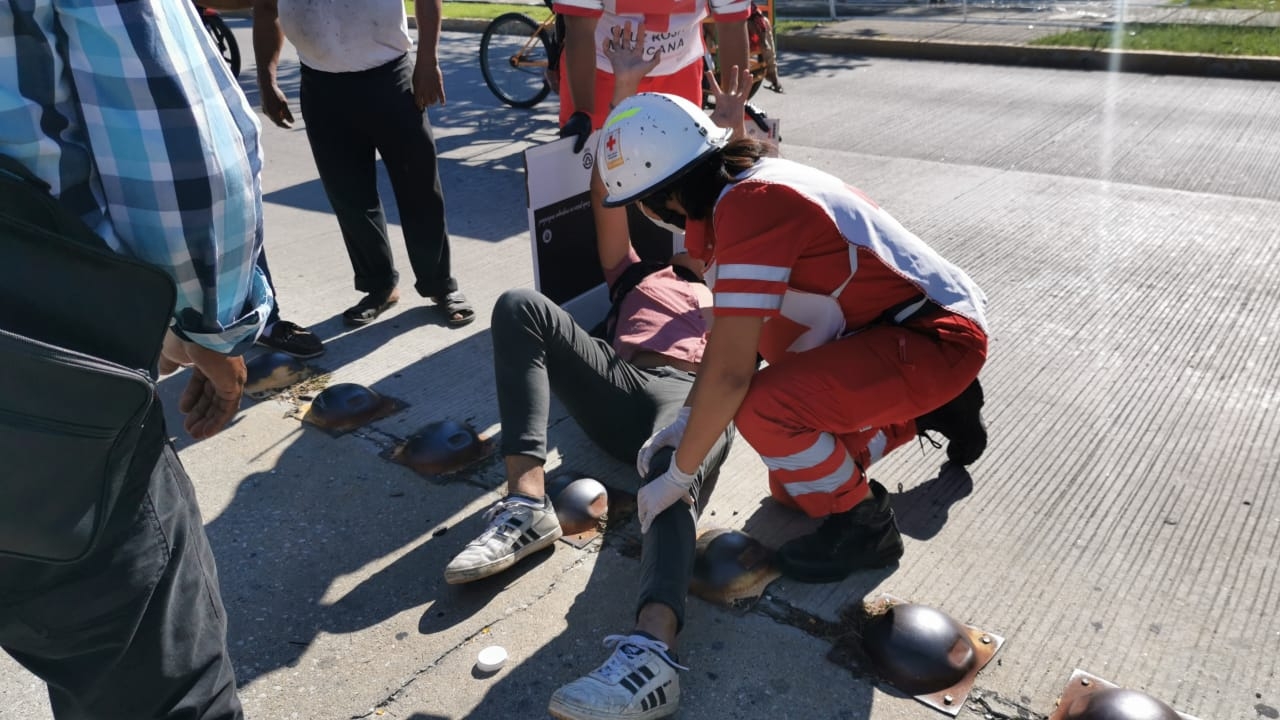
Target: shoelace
[
  {"x": 620, "y": 664},
  {"x": 922, "y": 436},
  {"x": 497, "y": 517}
]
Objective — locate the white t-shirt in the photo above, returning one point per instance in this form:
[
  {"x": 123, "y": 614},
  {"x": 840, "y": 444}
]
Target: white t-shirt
[
  {"x": 346, "y": 35},
  {"x": 673, "y": 25}
]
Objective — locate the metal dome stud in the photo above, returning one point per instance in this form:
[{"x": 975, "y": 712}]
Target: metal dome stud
[
  {"x": 926, "y": 653},
  {"x": 269, "y": 373},
  {"x": 581, "y": 504},
  {"x": 341, "y": 408},
  {"x": 1089, "y": 697},
  {"x": 730, "y": 567},
  {"x": 440, "y": 448}
]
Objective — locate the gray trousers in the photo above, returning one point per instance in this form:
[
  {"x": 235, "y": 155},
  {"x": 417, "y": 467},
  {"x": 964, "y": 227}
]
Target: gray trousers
[
  {"x": 539, "y": 349},
  {"x": 135, "y": 631}
]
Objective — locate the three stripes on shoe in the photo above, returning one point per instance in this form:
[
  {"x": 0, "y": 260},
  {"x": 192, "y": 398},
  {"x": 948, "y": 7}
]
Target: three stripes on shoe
[{"x": 636, "y": 680}]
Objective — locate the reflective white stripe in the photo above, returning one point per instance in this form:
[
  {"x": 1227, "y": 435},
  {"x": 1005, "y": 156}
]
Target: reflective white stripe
[
  {"x": 876, "y": 446},
  {"x": 828, "y": 484},
  {"x": 909, "y": 310},
  {"x": 812, "y": 456},
  {"x": 742, "y": 271},
  {"x": 752, "y": 301},
  {"x": 730, "y": 7}
]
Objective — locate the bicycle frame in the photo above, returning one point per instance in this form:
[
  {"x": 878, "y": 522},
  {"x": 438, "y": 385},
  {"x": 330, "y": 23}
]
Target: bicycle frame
[{"x": 519, "y": 59}]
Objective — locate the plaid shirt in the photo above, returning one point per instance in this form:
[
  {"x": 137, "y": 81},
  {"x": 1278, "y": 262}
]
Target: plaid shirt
[{"x": 126, "y": 110}]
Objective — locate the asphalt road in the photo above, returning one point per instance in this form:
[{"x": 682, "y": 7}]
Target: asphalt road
[{"x": 1124, "y": 521}]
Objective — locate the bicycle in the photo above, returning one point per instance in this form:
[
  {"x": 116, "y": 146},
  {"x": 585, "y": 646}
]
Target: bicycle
[
  {"x": 519, "y": 56},
  {"x": 762, "y": 60},
  {"x": 223, "y": 39}
]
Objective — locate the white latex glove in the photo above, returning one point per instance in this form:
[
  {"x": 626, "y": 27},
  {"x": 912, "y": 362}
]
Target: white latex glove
[
  {"x": 668, "y": 436},
  {"x": 661, "y": 493}
]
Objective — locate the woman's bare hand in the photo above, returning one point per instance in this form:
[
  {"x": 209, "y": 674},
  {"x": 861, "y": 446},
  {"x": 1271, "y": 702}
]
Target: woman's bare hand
[
  {"x": 625, "y": 51},
  {"x": 731, "y": 100}
]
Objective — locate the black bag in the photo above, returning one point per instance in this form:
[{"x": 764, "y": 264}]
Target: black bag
[{"x": 81, "y": 329}]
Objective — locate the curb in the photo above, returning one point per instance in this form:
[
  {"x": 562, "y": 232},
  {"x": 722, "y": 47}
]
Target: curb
[
  {"x": 473, "y": 25},
  {"x": 1154, "y": 63}
]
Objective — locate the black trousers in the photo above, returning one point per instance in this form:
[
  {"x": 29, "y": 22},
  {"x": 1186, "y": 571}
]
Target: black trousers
[
  {"x": 539, "y": 349},
  {"x": 349, "y": 118},
  {"x": 135, "y": 631}
]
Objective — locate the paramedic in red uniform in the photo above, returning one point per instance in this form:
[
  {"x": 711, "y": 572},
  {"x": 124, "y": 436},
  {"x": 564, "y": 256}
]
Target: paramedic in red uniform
[
  {"x": 871, "y": 337},
  {"x": 619, "y": 390}
]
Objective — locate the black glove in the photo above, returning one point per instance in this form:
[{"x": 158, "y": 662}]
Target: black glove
[{"x": 579, "y": 126}]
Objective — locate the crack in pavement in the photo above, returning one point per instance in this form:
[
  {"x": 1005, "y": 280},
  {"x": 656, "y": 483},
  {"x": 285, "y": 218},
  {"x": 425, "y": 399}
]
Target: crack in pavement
[{"x": 398, "y": 692}]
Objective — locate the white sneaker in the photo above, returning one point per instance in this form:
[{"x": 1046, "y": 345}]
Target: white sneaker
[
  {"x": 638, "y": 681},
  {"x": 515, "y": 530}
]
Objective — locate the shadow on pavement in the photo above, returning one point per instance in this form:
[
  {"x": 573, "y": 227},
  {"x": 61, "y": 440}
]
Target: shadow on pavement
[
  {"x": 342, "y": 345},
  {"x": 331, "y": 541},
  {"x": 923, "y": 510},
  {"x": 815, "y": 65}
]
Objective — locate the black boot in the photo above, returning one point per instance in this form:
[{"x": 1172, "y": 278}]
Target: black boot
[
  {"x": 961, "y": 422},
  {"x": 864, "y": 537}
]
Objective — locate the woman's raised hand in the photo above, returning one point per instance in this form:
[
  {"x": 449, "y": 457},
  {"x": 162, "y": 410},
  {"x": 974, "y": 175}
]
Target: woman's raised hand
[
  {"x": 731, "y": 100},
  {"x": 625, "y": 51}
]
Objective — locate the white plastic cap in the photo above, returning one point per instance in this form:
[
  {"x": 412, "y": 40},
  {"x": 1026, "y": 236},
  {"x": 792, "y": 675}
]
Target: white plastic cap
[{"x": 491, "y": 658}]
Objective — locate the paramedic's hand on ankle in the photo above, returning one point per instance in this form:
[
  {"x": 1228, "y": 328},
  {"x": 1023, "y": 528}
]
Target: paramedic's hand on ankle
[
  {"x": 661, "y": 493},
  {"x": 625, "y": 51},
  {"x": 578, "y": 126},
  {"x": 668, "y": 436}
]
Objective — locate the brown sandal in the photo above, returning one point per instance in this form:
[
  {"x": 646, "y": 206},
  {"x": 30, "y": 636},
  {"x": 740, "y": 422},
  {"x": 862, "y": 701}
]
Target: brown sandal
[{"x": 457, "y": 310}]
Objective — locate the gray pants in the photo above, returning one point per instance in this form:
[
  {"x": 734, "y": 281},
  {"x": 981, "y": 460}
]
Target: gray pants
[
  {"x": 539, "y": 349},
  {"x": 136, "y": 629}
]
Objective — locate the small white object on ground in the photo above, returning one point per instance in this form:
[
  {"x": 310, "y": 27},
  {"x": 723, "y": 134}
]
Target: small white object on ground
[{"x": 491, "y": 658}]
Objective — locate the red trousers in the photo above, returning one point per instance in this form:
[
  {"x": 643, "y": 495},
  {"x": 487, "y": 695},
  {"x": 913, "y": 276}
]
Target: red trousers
[
  {"x": 685, "y": 82},
  {"x": 820, "y": 418}
]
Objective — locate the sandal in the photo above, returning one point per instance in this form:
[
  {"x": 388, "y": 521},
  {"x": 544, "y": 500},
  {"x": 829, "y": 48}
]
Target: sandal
[
  {"x": 458, "y": 311},
  {"x": 370, "y": 307}
]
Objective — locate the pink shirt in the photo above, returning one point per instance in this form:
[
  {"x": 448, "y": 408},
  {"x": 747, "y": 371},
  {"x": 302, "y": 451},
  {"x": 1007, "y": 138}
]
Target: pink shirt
[{"x": 662, "y": 314}]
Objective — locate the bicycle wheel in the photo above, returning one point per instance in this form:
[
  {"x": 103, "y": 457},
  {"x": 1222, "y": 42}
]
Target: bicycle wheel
[
  {"x": 224, "y": 41},
  {"x": 513, "y": 60}
]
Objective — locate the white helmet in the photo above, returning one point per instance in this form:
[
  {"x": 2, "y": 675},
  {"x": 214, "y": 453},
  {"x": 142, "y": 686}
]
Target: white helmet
[{"x": 649, "y": 140}]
